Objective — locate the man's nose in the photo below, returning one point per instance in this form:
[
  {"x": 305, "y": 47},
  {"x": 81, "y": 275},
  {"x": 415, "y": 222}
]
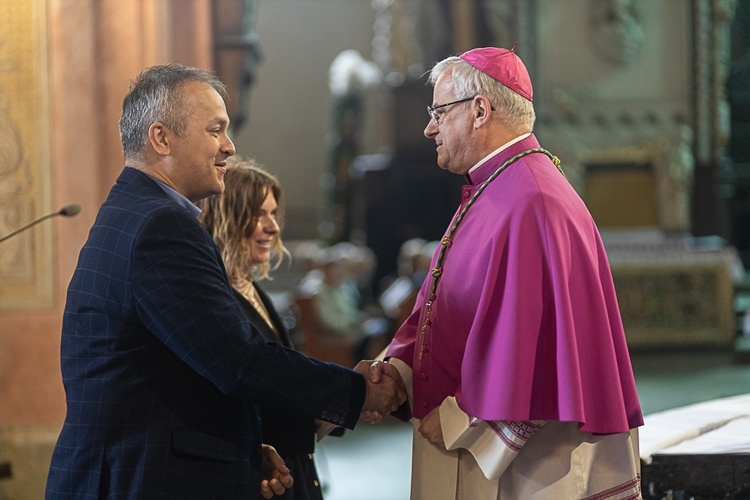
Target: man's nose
[
  {"x": 431, "y": 129},
  {"x": 228, "y": 147}
]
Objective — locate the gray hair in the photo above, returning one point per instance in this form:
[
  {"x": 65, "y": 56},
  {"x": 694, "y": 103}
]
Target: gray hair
[
  {"x": 516, "y": 112},
  {"x": 156, "y": 96}
]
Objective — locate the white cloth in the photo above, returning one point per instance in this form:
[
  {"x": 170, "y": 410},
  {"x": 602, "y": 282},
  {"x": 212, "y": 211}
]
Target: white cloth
[
  {"x": 716, "y": 426},
  {"x": 514, "y": 460},
  {"x": 494, "y": 445}
]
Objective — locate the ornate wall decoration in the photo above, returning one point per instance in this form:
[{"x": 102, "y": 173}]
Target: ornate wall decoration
[
  {"x": 712, "y": 23},
  {"x": 650, "y": 146},
  {"x": 508, "y": 22},
  {"x": 502, "y": 20},
  {"x": 673, "y": 294},
  {"x": 410, "y": 35},
  {"x": 26, "y": 259},
  {"x": 616, "y": 31},
  {"x": 611, "y": 103}
]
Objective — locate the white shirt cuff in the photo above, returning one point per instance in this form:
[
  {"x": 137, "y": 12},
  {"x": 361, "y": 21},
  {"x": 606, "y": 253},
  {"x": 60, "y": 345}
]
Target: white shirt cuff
[{"x": 406, "y": 375}]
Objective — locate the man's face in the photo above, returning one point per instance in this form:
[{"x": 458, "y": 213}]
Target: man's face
[
  {"x": 199, "y": 157},
  {"x": 452, "y": 134}
]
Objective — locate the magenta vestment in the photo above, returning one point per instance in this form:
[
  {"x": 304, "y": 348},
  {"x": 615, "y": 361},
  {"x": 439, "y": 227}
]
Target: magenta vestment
[{"x": 525, "y": 324}]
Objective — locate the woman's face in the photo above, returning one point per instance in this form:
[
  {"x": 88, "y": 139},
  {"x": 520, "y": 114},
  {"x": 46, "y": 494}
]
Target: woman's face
[{"x": 265, "y": 231}]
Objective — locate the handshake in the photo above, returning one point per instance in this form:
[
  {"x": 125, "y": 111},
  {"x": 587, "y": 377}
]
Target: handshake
[{"x": 385, "y": 390}]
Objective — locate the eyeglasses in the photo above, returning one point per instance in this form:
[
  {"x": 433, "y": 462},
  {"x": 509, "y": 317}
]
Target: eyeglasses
[{"x": 435, "y": 116}]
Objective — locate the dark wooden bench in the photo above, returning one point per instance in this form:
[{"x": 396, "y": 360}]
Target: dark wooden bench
[{"x": 5, "y": 470}]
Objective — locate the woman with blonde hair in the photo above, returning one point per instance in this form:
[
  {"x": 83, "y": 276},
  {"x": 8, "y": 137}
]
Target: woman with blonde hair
[{"x": 245, "y": 221}]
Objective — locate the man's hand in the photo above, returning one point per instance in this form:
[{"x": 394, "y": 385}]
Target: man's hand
[
  {"x": 430, "y": 428},
  {"x": 380, "y": 369},
  {"x": 385, "y": 390},
  {"x": 276, "y": 475}
]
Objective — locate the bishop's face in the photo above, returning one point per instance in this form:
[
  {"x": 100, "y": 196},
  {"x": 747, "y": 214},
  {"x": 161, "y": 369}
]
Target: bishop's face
[{"x": 452, "y": 132}]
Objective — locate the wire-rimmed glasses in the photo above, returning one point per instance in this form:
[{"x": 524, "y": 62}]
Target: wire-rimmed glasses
[{"x": 435, "y": 116}]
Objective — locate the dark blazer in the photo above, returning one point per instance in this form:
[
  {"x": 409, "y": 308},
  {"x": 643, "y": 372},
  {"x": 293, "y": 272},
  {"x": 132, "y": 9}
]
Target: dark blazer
[{"x": 163, "y": 373}]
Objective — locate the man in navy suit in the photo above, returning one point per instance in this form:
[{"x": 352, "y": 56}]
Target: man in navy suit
[{"x": 163, "y": 374}]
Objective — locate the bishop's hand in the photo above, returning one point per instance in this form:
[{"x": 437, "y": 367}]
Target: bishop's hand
[{"x": 385, "y": 390}]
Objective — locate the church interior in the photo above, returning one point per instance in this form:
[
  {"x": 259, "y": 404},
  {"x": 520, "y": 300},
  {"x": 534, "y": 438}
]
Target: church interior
[{"x": 647, "y": 104}]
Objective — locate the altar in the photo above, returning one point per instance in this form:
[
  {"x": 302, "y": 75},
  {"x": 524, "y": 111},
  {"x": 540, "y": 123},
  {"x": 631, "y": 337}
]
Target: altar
[
  {"x": 701, "y": 450},
  {"x": 674, "y": 290}
]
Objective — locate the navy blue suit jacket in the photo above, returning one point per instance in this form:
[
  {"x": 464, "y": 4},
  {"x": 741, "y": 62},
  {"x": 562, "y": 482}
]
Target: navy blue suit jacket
[{"x": 163, "y": 373}]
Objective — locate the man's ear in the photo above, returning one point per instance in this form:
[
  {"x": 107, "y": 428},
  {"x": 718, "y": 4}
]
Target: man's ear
[
  {"x": 481, "y": 109},
  {"x": 158, "y": 136}
]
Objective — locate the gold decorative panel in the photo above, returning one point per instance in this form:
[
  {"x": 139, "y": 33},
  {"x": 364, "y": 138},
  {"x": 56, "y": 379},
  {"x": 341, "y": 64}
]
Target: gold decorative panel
[
  {"x": 674, "y": 295},
  {"x": 621, "y": 195},
  {"x": 26, "y": 260}
]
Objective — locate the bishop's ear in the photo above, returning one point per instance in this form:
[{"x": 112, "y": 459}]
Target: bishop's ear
[{"x": 482, "y": 108}]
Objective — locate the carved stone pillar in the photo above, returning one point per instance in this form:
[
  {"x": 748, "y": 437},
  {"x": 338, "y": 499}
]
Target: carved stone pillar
[
  {"x": 236, "y": 53},
  {"x": 712, "y": 24}
]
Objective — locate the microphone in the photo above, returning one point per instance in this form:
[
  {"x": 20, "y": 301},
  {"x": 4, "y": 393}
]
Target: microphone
[
  {"x": 66, "y": 211},
  {"x": 69, "y": 210}
]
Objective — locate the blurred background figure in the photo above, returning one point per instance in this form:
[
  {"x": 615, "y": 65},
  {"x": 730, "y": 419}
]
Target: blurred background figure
[
  {"x": 338, "y": 316},
  {"x": 348, "y": 77},
  {"x": 307, "y": 255},
  {"x": 400, "y": 291},
  {"x": 361, "y": 263},
  {"x": 245, "y": 222}
]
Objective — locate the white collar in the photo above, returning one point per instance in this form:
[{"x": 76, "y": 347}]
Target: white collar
[{"x": 504, "y": 146}]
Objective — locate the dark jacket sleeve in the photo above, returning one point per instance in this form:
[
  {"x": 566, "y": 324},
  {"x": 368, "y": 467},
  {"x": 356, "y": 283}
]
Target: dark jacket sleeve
[{"x": 182, "y": 295}]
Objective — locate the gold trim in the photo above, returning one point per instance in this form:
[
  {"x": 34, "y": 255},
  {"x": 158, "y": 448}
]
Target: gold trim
[{"x": 27, "y": 260}]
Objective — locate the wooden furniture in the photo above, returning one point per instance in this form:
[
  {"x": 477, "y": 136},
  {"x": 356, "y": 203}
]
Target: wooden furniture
[
  {"x": 308, "y": 327},
  {"x": 5, "y": 470}
]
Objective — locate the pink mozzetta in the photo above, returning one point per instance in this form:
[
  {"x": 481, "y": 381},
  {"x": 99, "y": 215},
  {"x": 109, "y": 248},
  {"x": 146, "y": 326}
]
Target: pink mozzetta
[
  {"x": 525, "y": 323},
  {"x": 504, "y": 66}
]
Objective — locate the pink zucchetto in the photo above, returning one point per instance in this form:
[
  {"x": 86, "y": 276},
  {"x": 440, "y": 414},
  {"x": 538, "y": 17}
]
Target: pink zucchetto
[{"x": 504, "y": 66}]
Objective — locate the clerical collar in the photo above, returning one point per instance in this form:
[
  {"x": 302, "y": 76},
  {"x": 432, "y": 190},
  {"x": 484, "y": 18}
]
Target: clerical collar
[{"x": 504, "y": 146}]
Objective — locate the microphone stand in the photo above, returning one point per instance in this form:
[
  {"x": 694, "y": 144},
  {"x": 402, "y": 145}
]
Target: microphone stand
[{"x": 67, "y": 211}]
